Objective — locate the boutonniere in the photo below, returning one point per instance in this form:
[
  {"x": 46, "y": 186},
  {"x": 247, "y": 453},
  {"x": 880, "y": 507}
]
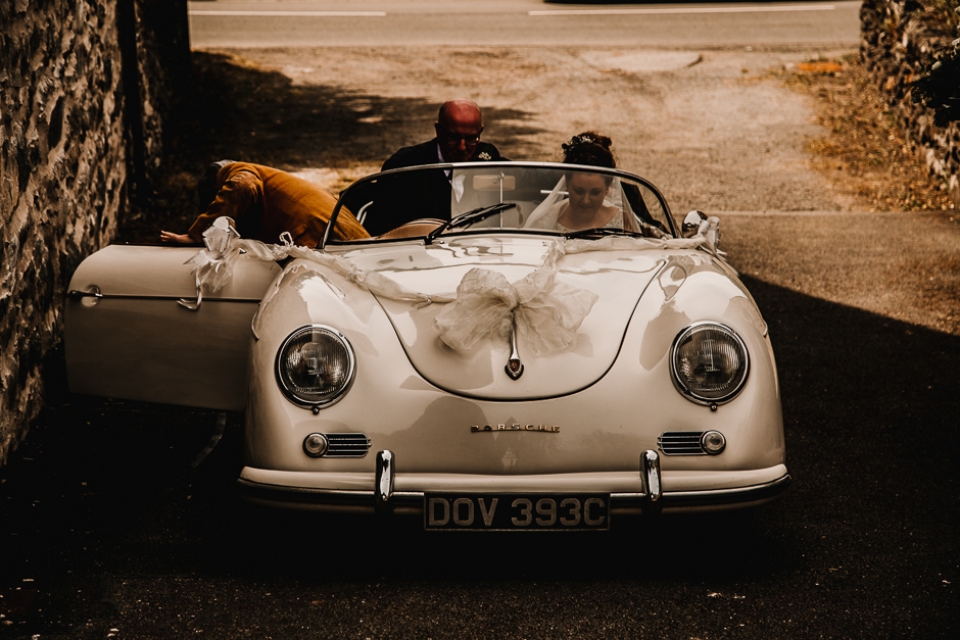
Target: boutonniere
[{"x": 484, "y": 156}]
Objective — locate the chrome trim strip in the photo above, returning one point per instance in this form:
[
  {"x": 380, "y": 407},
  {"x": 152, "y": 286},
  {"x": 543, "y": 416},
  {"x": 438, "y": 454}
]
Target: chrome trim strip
[
  {"x": 412, "y": 501},
  {"x": 650, "y": 470},
  {"x": 188, "y": 304},
  {"x": 514, "y": 366},
  {"x": 730, "y": 496},
  {"x": 78, "y": 295},
  {"x": 347, "y": 445},
  {"x": 384, "y": 480},
  {"x": 681, "y": 443}
]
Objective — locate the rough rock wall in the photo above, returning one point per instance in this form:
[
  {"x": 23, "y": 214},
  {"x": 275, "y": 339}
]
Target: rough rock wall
[
  {"x": 901, "y": 40},
  {"x": 69, "y": 134},
  {"x": 162, "y": 73}
]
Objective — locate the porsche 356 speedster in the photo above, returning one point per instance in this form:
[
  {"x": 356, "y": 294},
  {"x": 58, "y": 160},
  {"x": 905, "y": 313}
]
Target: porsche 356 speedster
[{"x": 523, "y": 346}]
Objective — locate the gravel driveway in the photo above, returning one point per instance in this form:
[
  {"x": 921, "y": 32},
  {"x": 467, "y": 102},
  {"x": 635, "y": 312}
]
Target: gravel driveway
[
  {"x": 108, "y": 544},
  {"x": 712, "y": 128},
  {"x": 716, "y": 130}
]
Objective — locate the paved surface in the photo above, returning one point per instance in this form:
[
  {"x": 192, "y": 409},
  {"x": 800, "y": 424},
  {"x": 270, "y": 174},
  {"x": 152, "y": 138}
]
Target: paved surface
[
  {"x": 262, "y": 23},
  {"x": 714, "y": 129},
  {"x": 116, "y": 522},
  {"x": 112, "y": 530}
]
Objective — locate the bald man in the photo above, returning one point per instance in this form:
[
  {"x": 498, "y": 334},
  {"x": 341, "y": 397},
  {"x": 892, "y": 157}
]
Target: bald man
[{"x": 458, "y": 128}]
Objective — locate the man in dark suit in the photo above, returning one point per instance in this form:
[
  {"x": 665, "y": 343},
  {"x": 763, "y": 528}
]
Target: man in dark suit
[
  {"x": 458, "y": 128},
  {"x": 427, "y": 194}
]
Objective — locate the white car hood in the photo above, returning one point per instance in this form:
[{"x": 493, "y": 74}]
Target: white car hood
[{"x": 618, "y": 278}]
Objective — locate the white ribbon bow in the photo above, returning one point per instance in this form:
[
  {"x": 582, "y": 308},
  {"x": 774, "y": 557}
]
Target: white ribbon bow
[{"x": 545, "y": 312}]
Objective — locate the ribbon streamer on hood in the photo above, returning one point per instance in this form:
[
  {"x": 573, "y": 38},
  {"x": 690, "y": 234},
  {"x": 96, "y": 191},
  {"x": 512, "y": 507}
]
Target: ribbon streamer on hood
[{"x": 547, "y": 313}]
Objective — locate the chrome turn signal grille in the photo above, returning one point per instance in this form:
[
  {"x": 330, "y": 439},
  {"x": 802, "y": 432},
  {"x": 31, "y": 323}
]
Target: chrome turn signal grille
[
  {"x": 347, "y": 445},
  {"x": 681, "y": 443}
]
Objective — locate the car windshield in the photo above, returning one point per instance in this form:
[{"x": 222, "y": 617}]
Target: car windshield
[{"x": 436, "y": 200}]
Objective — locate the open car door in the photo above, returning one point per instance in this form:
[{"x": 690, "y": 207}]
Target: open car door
[{"x": 133, "y": 329}]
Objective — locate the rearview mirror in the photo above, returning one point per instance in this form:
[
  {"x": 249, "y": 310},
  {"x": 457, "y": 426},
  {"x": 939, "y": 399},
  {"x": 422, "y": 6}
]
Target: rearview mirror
[
  {"x": 494, "y": 183},
  {"x": 697, "y": 222},
  {"x": 691, "y": 223}
]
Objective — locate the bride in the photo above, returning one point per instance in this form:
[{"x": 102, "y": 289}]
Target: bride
[{"x": 583, "y": 200}]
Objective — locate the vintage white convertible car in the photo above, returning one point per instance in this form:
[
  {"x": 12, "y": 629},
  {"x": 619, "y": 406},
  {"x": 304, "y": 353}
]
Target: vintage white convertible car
[{"x": 520, "y": 346}]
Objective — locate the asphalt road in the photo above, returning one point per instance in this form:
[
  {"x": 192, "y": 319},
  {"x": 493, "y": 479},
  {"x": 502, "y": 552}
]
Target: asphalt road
[
  {"x": 115, "y": 523},
  {"x": 262, "y": 23},
  {"x": 120, "y": 520}
]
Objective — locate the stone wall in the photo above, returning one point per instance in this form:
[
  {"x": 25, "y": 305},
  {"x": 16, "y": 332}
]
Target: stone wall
[
  {"x": 73, "y": 147},
  {"x": 901, "y": 42},
  {"x": 161, "y": 74}
]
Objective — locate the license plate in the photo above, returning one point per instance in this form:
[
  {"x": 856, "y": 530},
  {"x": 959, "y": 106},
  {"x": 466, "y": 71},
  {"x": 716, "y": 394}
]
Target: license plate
[{"x": 517, "y": 512}]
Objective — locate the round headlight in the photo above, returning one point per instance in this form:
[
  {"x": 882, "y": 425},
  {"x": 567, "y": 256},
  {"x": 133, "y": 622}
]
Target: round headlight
[
  {"x": 709, "y": 363},
  {"x": 315, "y": 366}
]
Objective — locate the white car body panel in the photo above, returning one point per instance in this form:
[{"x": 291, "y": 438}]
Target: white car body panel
[
  {"x": 428, "y": 428},
  {"x": 138, "y": 343},
  {"x": 618, "y": 278},
  {"x": 582, "y": 419}
]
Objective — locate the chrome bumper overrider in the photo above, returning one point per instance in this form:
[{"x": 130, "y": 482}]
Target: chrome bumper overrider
[{"x": 384, "y": 499}]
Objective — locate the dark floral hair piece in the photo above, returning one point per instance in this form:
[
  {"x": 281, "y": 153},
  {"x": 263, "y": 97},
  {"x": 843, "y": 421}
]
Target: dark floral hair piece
[
  {"x": 589, "y": 148},
  {"x": 580, "y": 139}
]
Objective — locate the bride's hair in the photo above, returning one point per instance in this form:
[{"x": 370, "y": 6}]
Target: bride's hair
[{"x": 590, "y": 149}]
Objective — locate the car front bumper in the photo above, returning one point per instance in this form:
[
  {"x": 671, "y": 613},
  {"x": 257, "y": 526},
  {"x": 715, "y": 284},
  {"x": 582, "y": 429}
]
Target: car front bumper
[{"x": 643, "y": 492}]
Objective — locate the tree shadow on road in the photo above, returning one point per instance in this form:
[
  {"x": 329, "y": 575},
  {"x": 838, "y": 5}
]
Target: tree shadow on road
[
  {"x": 242, "y": 112},
  {"x": 103, "y": 503},
  {"x": 868, "y": 403}
]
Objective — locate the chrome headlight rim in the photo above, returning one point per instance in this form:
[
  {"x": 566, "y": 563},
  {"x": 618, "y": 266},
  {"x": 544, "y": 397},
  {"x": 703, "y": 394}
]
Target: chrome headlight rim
[
  {"x": 683, "y": 388},
  {"x": 289, "y": 393}
]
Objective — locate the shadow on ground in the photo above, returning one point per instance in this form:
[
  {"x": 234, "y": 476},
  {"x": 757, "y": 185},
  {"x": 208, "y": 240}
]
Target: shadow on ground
[
  {"x": 110, "y": 524},
  {"x": 244, "y": 113}
]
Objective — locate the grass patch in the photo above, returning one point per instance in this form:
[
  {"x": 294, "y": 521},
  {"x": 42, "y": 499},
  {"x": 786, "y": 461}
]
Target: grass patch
[{"x": 865, "y": 153}]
